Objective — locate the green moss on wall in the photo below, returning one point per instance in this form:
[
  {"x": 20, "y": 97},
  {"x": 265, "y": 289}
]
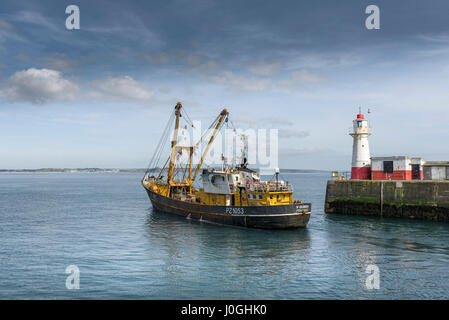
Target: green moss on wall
[
  {"x": 418, "y": 202},
  {"x": 398, "y": 204},
  {"x": 357, "y": 199}
]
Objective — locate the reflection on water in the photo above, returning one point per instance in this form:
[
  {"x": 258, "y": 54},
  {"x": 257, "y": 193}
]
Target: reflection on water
[
  {"x": 104, "y": 223},
  {"x": 234, "y": 257}
]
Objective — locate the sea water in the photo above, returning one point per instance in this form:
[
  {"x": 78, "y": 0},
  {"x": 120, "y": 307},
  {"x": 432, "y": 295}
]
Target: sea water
[{"x": 105, "y": 226}]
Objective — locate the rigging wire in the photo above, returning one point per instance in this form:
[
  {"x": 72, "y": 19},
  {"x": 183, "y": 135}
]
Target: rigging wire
[
  {"x": 160, "y": 146},
  {"x": 187, "y": 117},
  {"x": 163, "y": 145}
]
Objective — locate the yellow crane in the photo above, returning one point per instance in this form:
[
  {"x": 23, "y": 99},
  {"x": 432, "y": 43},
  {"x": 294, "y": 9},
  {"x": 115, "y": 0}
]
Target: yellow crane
[{"x": 222, "y": 118}]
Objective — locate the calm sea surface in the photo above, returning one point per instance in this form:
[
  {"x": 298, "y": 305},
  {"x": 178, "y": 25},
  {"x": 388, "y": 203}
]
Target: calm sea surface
[{"x": 104, "y": 224}]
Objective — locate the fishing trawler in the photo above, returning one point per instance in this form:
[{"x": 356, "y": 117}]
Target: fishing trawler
[{"x": 232, "y": 195}]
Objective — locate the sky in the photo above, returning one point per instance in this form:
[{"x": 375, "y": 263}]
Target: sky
[{"x": 100, "y": 96}]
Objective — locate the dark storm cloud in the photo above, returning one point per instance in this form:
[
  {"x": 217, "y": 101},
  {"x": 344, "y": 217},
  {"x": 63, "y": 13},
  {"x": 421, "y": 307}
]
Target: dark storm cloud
[
  {"x": 245, "y": 31},
  {"x": 228, "y": 34}
]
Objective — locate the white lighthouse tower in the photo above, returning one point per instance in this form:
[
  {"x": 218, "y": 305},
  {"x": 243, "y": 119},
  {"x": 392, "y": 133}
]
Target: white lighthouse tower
[{"x": 361, "y": 158}]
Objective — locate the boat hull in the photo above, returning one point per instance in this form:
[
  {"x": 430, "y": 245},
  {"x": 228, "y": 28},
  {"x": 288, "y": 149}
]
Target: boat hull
[{"x": 261, "y": 217}]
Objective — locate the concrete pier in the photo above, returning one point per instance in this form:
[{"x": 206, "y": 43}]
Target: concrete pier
[{"x": 428, "y": 200}]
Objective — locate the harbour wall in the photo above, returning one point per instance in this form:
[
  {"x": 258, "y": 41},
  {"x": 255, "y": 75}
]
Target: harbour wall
[{"x": 428, "y": 200}]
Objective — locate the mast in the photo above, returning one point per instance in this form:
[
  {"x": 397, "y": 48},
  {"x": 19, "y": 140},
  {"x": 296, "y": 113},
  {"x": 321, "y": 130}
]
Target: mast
[
  {"x": 173, "y": 144},
  {"x": 224, "y": 113},
  {"x": 190, "y": 162}
]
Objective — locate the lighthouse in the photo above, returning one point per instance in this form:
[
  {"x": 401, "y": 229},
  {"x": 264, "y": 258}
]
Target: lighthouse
[{"x": 361, "y": 158}]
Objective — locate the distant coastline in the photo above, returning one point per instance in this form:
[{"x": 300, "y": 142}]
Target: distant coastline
[
  {"x": 69, "y": 170},
  {"x": 116, "y": 170}
]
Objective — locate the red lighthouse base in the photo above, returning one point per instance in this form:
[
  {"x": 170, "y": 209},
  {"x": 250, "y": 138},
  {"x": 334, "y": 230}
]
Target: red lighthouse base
[{"x": 362, "y": 173}]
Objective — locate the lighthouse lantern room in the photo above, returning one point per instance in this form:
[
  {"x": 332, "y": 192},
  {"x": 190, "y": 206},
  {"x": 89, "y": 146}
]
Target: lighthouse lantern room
[{"x": 361, "y": 158}]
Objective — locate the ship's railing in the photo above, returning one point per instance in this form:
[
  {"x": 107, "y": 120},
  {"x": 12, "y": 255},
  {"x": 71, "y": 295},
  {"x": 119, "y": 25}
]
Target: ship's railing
[
  {"x": 270, "y": 187},
  {"x": 368, "y": 130}
]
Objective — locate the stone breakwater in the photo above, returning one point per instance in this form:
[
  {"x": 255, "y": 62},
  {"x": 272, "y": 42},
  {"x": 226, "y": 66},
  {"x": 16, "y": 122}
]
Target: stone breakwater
[{"x": 428, "y": 200}]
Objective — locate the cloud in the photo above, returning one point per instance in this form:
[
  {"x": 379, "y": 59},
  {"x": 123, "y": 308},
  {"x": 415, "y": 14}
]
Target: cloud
[
  {"x": 34, "y": 17},
  {"x": 436, "y": 38},
  {"x": 267, "y": 122},
  {"x": 211, "y": 70},
  {"x": 205, "y": 68},
  {"x": 302, "y": 79},
  {"x": 265, "y": 69},
  {"x": 5, "y": 25},
  {"x": 41, "y": 86},
  {"x": 89, "y": 118},
  {"x": 121, "y": 88},
  {"x": 7, "y": 32},
  {"x": 259, "y": 75},
  {"x": 291, "y": 133},
  {"x": 190, "y": 63},
  {"x": 38, "y": 86},
  {"x": 158, "y": 58},
  {"x": 238, "y": 82},
  {"x": 292, "y": 152},
  {"x": 59, "y": 61}
]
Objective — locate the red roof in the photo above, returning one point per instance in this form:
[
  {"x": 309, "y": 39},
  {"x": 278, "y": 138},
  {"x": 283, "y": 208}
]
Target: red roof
[{"x": 360, "y": 117}]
